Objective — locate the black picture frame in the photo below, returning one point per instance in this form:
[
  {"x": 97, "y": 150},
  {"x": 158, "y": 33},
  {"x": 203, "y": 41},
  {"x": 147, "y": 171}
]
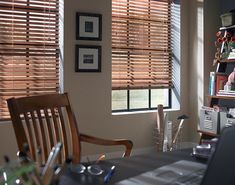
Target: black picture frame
[
  {"x": 88, "y": 58},
  {"x": 88, "y": 26}
]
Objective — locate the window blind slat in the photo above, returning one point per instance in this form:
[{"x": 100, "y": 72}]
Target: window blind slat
[
  {"x": 29, "y": 50},
  {"x": 141, "y": 45}
]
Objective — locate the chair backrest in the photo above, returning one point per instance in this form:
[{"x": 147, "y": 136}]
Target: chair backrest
[{"x": 41, "y": 122}]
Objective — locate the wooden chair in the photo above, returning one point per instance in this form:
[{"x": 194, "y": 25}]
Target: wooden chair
[{"x": 43, "y": 120}]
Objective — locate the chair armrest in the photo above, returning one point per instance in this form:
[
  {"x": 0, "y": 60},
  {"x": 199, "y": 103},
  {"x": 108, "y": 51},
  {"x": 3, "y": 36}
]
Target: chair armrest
[{"x": 99, "y": 141}]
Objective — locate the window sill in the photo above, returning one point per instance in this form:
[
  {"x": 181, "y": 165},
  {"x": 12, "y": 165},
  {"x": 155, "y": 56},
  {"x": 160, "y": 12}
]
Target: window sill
[
  {"x": 142, "y": 112},
  {"x": 5, "y": 121}
]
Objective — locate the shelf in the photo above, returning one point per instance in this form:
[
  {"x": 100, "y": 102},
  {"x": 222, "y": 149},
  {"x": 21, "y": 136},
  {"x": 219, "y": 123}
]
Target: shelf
[
  {"x": 227, "y": 61},
  {"x": 221, "y": 73},
  {"x": 226, "y": 28},
  {"x": 223, "y": 97}
]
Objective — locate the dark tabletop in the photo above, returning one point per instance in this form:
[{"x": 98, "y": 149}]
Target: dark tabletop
[{"x": 127, "y": 167}]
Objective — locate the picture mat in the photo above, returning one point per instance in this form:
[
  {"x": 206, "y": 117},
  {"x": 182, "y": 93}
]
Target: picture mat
[
  {"x": 88, "y": 51},
  {"x": 95, "y": 20}
]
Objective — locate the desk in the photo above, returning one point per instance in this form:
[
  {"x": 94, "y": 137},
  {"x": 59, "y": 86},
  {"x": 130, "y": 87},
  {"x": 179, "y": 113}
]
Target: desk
[{"x": 127, "y": 167}]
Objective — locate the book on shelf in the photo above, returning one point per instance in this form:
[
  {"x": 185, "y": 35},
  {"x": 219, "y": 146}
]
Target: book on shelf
[
  {"x": 207, "y": 108},
  {"x": 226, "y": 93},
  {"x": 221, "y": 79},
  {"x": 212, "y": 84},
  {"x": 231, "y": 55}
]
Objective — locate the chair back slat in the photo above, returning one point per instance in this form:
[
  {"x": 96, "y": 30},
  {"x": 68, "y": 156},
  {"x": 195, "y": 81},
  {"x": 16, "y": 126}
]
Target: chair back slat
[
  {"x": 30, "y": 133},
  {"x": 43, "y": 121},
  {"x": 50, "y": 127},
  {"x": 57, "y": 129},
  {"x": 37, "y": 133},
  {"x": 55, "y": 125},
  {"x": 44, "y": 133},
  {"x": 63, "y": 129}
]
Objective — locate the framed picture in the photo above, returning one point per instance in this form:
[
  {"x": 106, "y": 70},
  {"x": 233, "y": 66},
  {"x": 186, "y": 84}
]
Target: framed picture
[
  {"x": 88, "y": 26},
  {"x": 88, "y": 58}
]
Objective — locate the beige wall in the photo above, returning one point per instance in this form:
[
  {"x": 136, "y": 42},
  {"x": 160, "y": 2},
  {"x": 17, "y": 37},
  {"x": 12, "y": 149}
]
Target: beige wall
[
  {"x": 7, "y": 141},
  {"x": 90, "y": 93}
]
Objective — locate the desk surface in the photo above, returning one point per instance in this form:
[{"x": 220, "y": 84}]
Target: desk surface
[{"x": 127, "y": 167}]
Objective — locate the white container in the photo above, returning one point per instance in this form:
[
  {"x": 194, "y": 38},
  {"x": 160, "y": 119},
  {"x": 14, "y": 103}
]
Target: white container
[
  {"x": 225, "y": 120},
  {"x": 228, "y": 19},
  {"x": 209, "y": 121}
]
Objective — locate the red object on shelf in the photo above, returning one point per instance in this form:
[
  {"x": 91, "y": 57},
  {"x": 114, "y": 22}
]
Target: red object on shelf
[{"x": 221, "y": 80}]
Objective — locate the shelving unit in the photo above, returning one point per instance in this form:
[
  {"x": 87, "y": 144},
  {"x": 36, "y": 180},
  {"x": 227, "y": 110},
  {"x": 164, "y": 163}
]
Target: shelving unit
[{"x": 226, "y": 67}]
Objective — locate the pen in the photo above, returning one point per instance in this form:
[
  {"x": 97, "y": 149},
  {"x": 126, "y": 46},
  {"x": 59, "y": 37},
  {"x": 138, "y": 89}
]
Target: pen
[
  {"x": 109, "y": 174},
  {"x": 100, "y": 158}
]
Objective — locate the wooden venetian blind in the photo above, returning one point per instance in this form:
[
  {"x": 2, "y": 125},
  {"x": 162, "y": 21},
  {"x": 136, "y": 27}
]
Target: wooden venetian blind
[
  {"x": 29, "y": 51},
  {"x": 141, "y": 44}
]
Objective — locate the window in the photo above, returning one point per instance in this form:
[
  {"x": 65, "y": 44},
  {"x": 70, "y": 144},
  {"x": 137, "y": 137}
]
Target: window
[
  {"x": 29, "y": 49},
  {"x": 141, "y": 54}
]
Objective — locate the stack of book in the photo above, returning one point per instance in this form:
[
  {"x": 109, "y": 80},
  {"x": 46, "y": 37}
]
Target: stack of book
[{"x": 226, "y": 93}]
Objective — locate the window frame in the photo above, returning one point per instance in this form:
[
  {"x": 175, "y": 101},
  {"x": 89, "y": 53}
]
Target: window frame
[
  {"x": 32, "y": 48},
  {"x": 149, "y": 89}
]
